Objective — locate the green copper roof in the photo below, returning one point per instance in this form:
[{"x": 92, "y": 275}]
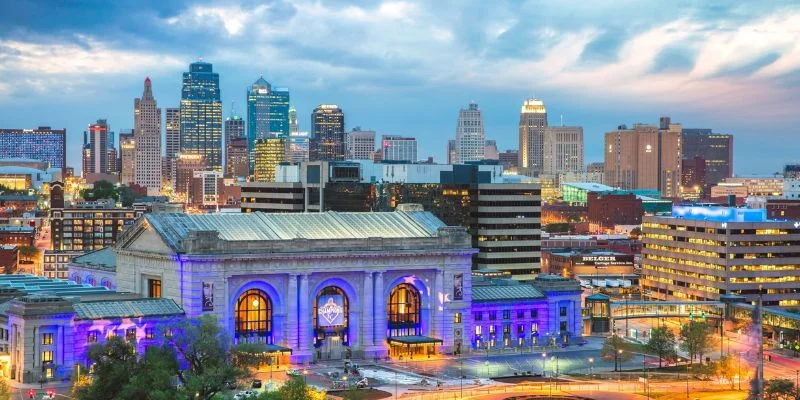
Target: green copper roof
[
  {"x": 104, "y": 258},
  {"x": 105, "y": 309},
  {"x": 174, "y": 227},
  {"x": 505, "y": 292}
]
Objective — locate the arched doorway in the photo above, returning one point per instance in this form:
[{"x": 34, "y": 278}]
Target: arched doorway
[
  {"x": 331, "y": 323},
  {"x": 403, "y": 310},
  {"x": 253, "y": 316}
]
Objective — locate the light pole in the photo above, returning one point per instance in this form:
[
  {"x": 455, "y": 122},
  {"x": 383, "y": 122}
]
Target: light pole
[
  {"x": 687, "y": 378},
  {"x": 591, "y": 364},
  {"x": 627, "y": 297},
  {"x": 739, "y": 368},
  {"x": 544, "y": 365}
]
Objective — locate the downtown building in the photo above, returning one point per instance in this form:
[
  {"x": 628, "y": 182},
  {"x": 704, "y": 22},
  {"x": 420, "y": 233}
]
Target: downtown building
[
  {"x": 709, "y": 157},
  {"x": 147, "y": 141},
  {"x": 172, "y": 131},
  {"x": 327, "y": 141},
  {"x": 96, "y": 142},
  {"x": 360, "y": 145},
  {"x": 201, "y": 115},
  {"x": 398, "y": 148},
  {"x": 708, "y": 252},
  {"x": 42, "y": 144},
  {"x": 502, "y": 213},
  {"x": 127, "y": 158},
  {"x": 470, "y": 136},
  {"x": 532, "y": 124},
  {"x": 88, "y": 225},
  {"x": 267, "y": 116}
]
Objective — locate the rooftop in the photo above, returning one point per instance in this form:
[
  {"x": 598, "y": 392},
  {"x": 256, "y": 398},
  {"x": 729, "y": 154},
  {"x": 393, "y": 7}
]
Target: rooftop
[
  {"x": 104, "y": 259},
  {"x": 505, "y": 292},
  {"x": 31, "y": 284},
  {"x": 720, "y": 214},
  {"x": 149, "y": 307},
  {"x": 17, "y": 197},
  {"x": 19, "y": 229}
]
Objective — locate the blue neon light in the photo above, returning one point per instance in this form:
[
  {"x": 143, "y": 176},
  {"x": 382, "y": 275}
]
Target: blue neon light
[{"x": 720, "y": 214}]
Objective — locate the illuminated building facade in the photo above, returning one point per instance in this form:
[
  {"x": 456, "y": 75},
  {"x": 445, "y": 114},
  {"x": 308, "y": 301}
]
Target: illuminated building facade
[
  {"x": 327, "y": 133},
  {"x": 201, "y": 114},
  {"x": 714, "y": 149},
  {"x": 147, "y": 141},
  {"x": 267, "y": 113},
  {"x": 399, "y": 148},
  {"x": 298, "y": 147},
  {"x": 470, "y": 136},
  {"x": 185, "y": 165},
  {"x": 95, "y": 148},
  {"x": 127, "y": 158},
  {"x": 88, "y": 225},
  {"x": 237, "y": 158},
  {"x": 43, "y": 144},
  {"x": 563, "y": 149},
  {"x": 532, "y": 122},
  {"x": 172, "y": 130},
  {"x": 703, "y": 253},
  {"x": 269, "y": 153}
]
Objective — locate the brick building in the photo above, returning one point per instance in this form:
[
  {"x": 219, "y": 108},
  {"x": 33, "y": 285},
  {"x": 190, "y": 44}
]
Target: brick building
[{"x": 606, "y": 211}]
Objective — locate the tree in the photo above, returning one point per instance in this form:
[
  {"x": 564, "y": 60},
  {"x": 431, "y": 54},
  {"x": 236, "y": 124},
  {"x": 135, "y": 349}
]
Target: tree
[
  {"x": 662, "y": 344},
  {"x": 5, "y": 392},
  {"x": 558, "y": 227},
  {"x": 101, "y": 190},
  {"x": 126, "y": 196},
  {"x": 204, "y": 347},
  {"x": 613, "y": 350},
  {"x": 154, "y": 376},
  {"x": 725, "y": 369},
  {"x": 294, "y": 388},
  {"x": 115, "y": 362},
  {"x": 779, "y": 389},
  {"x": 696, "y": 339},
  {"x": 636, "y": 232},
  {"x": 28, "y": 252}
]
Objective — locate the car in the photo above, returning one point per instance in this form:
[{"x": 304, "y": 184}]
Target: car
[
  {"x": 247, "y": 394},
  {"x": 256, "y": 384},
  {"x": 363, "y": 383},
  {"x": 293, "y": 372}
]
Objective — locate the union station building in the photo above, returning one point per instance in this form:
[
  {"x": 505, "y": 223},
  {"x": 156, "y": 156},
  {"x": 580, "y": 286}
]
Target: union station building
[{"x": 310, "y": 286}]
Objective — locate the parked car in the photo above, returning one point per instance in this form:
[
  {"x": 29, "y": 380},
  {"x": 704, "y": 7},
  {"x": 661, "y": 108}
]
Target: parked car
[
  {"x": 247, "y": 394},
  {"x": 256, "y": 384},
  {"x": 293, "y": 372},
  {"x": 363, "y": 383}
]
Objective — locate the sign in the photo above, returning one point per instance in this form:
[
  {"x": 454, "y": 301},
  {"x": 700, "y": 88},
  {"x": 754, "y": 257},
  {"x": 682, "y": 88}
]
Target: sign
[
  {"x": 605, "y": 260},
  {"x": 330, "y": 310},
  {"x": 458, "y": 287},
  {"x": 208, "y": 296}
]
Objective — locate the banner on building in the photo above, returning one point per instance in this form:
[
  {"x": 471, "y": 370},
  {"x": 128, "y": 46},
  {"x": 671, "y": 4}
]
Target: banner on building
[
  {"x": 330, "y": 310},
  {"x": 458, "y": 287},
  {"x": 208, "y": 296}
]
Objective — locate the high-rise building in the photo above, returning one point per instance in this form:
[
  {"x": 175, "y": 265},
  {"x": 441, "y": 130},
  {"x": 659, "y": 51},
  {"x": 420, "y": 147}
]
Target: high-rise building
[
  {"x": 509, "y": 159},
  {"x": 399, "y": 148},
  {"x": 294, "y": 127},
  {"x": 111, "y": 158},
  {"x": 147, "y": 139},
  {"x": 470, "y": 138},
  {"x": 360, "y": 145},
  {"x": 596, "y": 167},
  {"x": 237, "y": 159},
  {"x": 644, "y": 157},
  {"x": 89, "y": 225},
  {"x": 562, "y": 149},
  {"x": 490, "y": 150},
  {"x": 43, "y": 144},
  {"x": 201, "y": 115},
  {"x": 327, "y": 133},
  {"x": 258, "y": 111},
  {"x": 532, "y": 121},
  {"x": 715, "y": 149},
  {"x": 269, "y": 153},
  {"x": 173, "y": 134},
  {"x": 297, "y": 148},
  {"x": 185, "y": 165},
  {"x": 127, "y": 157},
  {"x": 95, "y": 145},
  {"x": 451, "y": 151},
  {"x": 234, "y": 129}
]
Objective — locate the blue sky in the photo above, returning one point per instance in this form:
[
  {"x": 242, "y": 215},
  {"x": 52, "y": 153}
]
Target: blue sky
[{"x": 405, "y": 67}]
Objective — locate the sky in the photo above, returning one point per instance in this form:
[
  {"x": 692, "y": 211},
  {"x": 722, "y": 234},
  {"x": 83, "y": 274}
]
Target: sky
[{"x": 406, "y": 67}]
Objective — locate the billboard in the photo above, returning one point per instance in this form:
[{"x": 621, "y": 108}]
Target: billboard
[{"x": 330, "y": 310}]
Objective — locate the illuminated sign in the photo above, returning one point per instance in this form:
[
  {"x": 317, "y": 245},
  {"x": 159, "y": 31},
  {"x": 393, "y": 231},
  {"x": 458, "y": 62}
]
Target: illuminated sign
[
  {"x": 330, "y": 310},
  {"x": 720, "y": 214},
  {"x": 605, "y": 260}
]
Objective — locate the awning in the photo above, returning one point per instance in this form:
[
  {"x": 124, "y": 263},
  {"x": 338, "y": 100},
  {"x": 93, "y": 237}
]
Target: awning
[
  {"x": 274, "y": 348},
  {"x": 414, "y": 339}
]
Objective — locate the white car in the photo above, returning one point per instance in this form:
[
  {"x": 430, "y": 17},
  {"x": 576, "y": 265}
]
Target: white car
[
  {"x": 245, "y": 395},
  {"x": 293, "y": 372}
]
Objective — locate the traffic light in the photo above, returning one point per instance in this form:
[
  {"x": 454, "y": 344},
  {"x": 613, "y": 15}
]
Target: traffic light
[{"x": 30, "y": 394}]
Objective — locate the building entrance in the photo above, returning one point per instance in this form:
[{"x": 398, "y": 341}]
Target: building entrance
[{"x": 331, "y": 323}]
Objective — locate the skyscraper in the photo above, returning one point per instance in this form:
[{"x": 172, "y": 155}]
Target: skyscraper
[
  {"x": 297, "y": 148},
  {"x": 201, "y": 115},
  {"x": 360, "y": 145},
  {"x": 234, "y": 129},
  {"x": 42, "y": 143},
  {"x": 267, "y": 113},
  {"x": 173, "y": 133},
  {"x": 127, "y": 156},
  {"x": 470, "y": 137},
  {"x": 490, "y": 150},
  {"x": 715, "y": 149},
  {"x": 451, "y": 151},
  {"x": 147, "y": 139},
  {"x": 399, "y": 148},
  {"x": 294, "y": 127},
  {"x": 532, "y": 121},
  {"x": 268, "y": 154},
  {"x": 237, "y": 158},
  {"x": 111, "y": 157},
  {"x": 95, "y": 148},
  {"x": 562, "y": 149},
  {"x": 327, "y": 133}
]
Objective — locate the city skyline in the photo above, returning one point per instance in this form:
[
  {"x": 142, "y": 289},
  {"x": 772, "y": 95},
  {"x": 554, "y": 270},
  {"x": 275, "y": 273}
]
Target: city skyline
[{"x": 593, "y": 74}]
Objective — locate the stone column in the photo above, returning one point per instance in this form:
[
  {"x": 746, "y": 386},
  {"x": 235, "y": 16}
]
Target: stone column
[
  {"x": 304, "y": 317},
  {"x": 292, "y": 324},
  {"x": 438, "y": 309},
  {"x": 368, "y": 316},
  {"x": 380, "y": 311}
]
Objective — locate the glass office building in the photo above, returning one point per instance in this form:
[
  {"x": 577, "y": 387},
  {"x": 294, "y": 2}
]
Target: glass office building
[
  {"x": 42, "y": 143},
  {"x": 201, "y": 114}
]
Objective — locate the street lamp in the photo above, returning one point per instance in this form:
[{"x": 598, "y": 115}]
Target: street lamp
[
  {"x": 544, "y": 365},
  {"x": 627, "y": 297},
  {"x": 618, "y": 361},
  {"x": 591, "y": 364},
  {"x": 305, "y": 373}
]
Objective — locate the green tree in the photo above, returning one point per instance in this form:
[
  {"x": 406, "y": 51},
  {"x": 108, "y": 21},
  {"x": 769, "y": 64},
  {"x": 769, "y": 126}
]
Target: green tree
[
  {"x": 5, "y": 392},
  {"x": 154, "y": 376},
  {"x": 662, "y": 344},
  {"x": 725, "y": 369},
  {"x": 101, "y": 190},
  {"x": 696, "y": 339},
  {"x": 294, "y": 388},
  {"x": 614, "y": 350},
  {"x": 115, "y": 362},
  {"x": 204, "y": 346},
  {"x": 779, "y": 389},
  {"x": 558, "y": 227},
  {"x": 28, "y": 252},
  {"x": 126, "y": 196}
]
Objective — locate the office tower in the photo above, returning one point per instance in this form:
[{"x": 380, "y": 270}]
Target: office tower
[
  {"x": 294, "y": 127},
  {"x": 95, "y": 145},
  {"x": 127, "y": 157},
  {"x": 399, "y": 148},
  {"x": 297, "y": 148},
  {"x": 562, "y": 149},
  {"x": 89, "y": 225},
  {"x": 596, "y": 167},
  {"x": 172, "y": 129},
  {"x": 147, "y": 139},
  {"x": 327, "y": 133},
  {"x": 237, "y": 158},
  {"x": 490, "y": 150},
  {"x": 644, "y": 157},
  {"x": 201, "y": 115},
  {"x": 532, "y": 121},
  {"x": 470, "y": 137},
  {"x": 269, "y": 153},
  {"x": 451, "y": 151},
  {"x": 715, "y": 149},
  {"x": 111, "y": 157},
  {"x": 234, "y": 129},
  {"x": 509, "y": 159},
  {"x": 185, "y": 165},
  {"x": 43, "y": 144},
  {"x": 360, "y": 145},
  {"x": 258, "y": 111}
]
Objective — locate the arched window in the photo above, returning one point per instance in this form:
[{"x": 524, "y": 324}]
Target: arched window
[
  {"x": 254, "y": 316},
  {"x": 76, "y": 278},
  {"x": 91, "y": 281},
  {"x": 106, "y": 283},
  {"x": 404, "y": 310},
  {"x": 331, "y": 314}
]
